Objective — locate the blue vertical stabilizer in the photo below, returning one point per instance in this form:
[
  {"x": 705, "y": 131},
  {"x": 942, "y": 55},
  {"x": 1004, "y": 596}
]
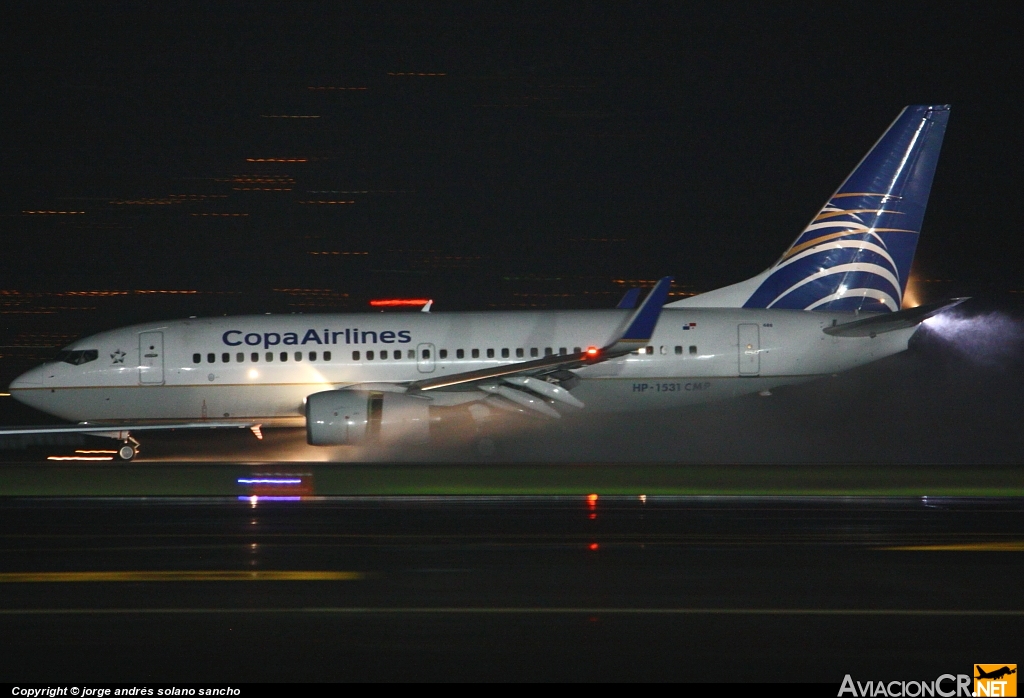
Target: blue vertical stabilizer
[{"x": 856, "y": 253}]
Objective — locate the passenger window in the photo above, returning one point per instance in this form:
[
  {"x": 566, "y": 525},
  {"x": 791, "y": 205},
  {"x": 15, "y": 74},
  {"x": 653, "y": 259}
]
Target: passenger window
[
  {"x": 679, "y": 349},
  {"x": 519, "y": 352},
  {"x": 490, "y": 353},
  {"x": 411, "y": 353},
  {"x": 255, "y": 357},
  {"x": 327, "y": 356},
  {"x": 312, "y": 356},
  {"x": 504, "y": 353},
  {"x": 547, "y": 351},
  {"x": 270, "y": 356},
  {"x": 369, "y": 356},
  {"x": 650, "y": 350},
  {"x": 211, "y": 358},
  {"x": 534, "y": 352},
  {"x": 284, "y": 356},
  {"x": 460, "y": 354},
  {"x": 443, "y": 354},
  {"x": 225, "y": 357},
  {"x": 426, "y": 353},
  {"x": 197, "y": 358},
  {"x": 298, "y": 356},
  {"x": 239, "y": 357},
  {"x": 355, "y": 356},
  {"x": 476, "y": 353},
  {"x": 661, "y": 349},
  {"x": 398, "y": 354},
  {"x": 693, "y": 349},
  {"x": 383, "y": 353}
]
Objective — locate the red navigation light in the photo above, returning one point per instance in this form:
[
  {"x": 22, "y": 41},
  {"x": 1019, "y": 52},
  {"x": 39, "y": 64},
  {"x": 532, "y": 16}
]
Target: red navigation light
[
  {"x": 397, "y": 302},
  {"x": 593, "y": 546},
  {"x": 592, "y": 352}
]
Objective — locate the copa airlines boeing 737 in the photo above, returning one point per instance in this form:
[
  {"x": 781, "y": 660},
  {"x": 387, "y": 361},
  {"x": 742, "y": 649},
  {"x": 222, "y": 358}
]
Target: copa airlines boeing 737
[{"x": 831, "y": 302}]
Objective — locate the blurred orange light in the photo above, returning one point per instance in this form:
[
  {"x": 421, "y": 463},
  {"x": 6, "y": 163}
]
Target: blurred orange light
[
  {"x": 912, "y": 296},
  {"x": 591, "y": 499},
  {"x": 392, "y": 302},
  {"x": 593, "y": 546},
  {"x": 592, "y": 352}
]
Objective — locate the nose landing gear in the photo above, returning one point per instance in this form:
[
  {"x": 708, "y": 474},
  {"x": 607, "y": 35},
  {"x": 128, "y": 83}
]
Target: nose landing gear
[{"x": 128, "y": 449}]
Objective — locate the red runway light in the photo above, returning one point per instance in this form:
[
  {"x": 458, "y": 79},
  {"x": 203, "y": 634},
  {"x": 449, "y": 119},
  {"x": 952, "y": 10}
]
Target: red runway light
[
  {"x": 593, "y": 546},
  {"x": 392, "y": 302}
]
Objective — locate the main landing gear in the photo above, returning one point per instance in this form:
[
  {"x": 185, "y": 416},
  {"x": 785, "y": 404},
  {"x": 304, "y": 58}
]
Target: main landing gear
[{"x": 128, "y": 449}]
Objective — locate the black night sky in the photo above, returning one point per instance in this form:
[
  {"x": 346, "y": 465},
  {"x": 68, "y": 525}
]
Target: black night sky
[{"x": 484, "y": 148}]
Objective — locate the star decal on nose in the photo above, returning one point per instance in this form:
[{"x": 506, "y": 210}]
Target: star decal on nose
[{"x": 118, "y": 356}]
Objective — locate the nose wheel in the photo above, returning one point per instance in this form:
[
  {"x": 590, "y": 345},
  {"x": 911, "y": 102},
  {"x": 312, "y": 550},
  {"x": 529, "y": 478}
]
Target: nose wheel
[{"x": 128, "y": 449}]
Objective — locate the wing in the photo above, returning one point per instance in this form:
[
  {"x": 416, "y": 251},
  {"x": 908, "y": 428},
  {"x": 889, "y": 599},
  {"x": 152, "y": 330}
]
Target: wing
[
  {"x": 637, "y": 333},
  {"x": 119, "y": 430}
]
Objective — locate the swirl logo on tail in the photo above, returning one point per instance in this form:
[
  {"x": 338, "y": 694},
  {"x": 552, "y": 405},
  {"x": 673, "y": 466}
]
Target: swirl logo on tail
[{"x": 857, "y": 252}]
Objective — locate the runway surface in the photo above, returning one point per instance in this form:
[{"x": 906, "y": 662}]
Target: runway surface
[
  {"x": 146, "y": 477},
  {"x": 573, "y": 588}
]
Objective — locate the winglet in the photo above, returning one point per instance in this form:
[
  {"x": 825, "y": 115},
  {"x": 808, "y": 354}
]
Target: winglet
[
  {"x": 641, "y": 325},
  {"x": 629, "y": 300}
]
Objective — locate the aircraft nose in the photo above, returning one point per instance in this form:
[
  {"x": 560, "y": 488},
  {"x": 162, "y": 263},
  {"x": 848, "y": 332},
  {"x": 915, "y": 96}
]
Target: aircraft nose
[{"x": 32, "y": 378}]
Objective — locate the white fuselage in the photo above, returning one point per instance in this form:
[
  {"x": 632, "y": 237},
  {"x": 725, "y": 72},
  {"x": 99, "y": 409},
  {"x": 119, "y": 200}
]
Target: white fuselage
[{"x": 262, "y": 367}]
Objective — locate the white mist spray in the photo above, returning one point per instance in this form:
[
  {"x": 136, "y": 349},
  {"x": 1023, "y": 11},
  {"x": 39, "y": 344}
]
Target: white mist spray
[{"x": 989, "y": 338}]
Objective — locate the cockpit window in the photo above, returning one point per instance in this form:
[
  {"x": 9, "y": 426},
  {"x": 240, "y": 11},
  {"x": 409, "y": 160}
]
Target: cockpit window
[{"x": 77, "y": 357}]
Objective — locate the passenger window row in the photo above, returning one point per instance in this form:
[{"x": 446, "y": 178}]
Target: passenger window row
[
  {"x": 664, "y": 350},
  {"x": 385, "y": 354},
  {"x": 396, "y": 354},
  {"x": 254, "y": 357},
  {"x": 461, "y": 353}
]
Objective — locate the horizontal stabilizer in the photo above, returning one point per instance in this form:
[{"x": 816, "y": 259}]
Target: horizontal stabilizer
[{"x": 890, "y": 322}]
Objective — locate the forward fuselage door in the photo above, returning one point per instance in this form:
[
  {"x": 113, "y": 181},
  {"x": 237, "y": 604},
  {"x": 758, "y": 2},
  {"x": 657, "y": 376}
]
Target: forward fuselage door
[
  {"x": 749, "y": 349},
  {"x": 425, "y": 358},
  {"x": 151, "y": 358}
]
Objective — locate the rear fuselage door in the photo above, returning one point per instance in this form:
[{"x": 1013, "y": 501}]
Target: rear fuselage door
[
  {"x": 151, "y": 358},
  {"x": 749, "y": 349},
  {"x": 425, "y": 358}
]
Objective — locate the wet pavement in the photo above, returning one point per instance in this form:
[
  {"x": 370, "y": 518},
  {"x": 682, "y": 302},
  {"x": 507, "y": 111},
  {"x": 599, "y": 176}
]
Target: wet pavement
[{"x": 575, "y": 588}]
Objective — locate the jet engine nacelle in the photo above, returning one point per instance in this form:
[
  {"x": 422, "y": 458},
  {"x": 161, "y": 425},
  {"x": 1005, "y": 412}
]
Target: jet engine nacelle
[{"x": 342, "y": 417}]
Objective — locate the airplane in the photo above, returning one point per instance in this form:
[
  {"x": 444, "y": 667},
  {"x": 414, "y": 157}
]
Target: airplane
[
  {"x": 994, "y": 674},
  {"x": 831, "y": 302}
]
